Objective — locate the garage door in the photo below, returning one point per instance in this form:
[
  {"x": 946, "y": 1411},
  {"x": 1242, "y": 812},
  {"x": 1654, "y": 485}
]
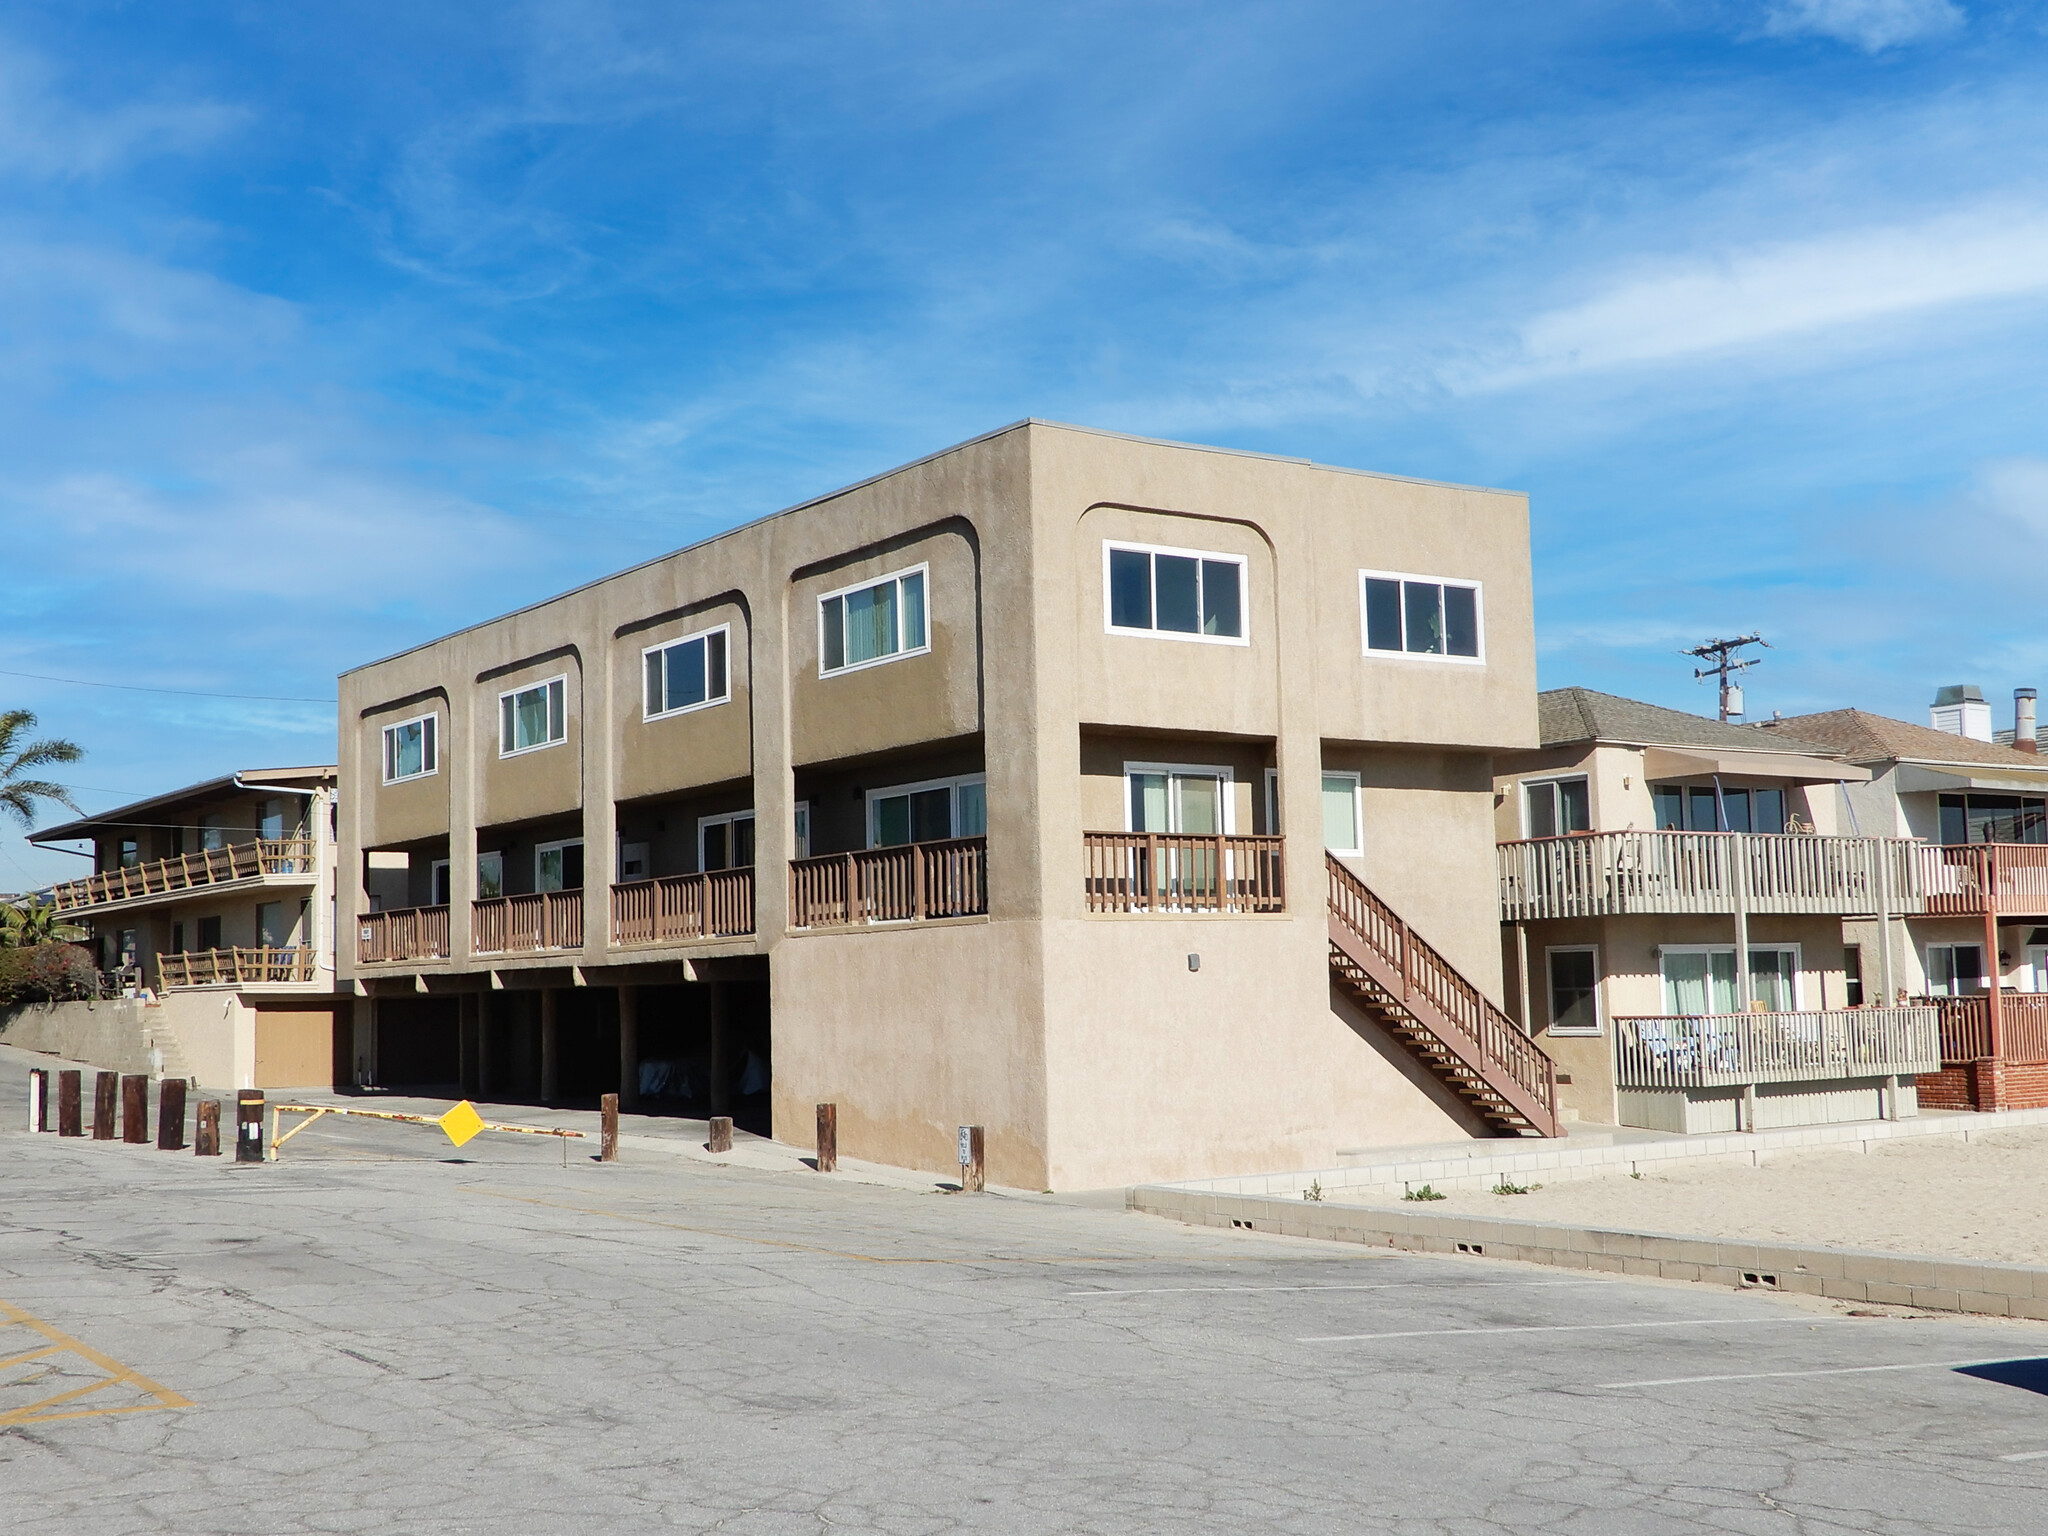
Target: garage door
[{"x": 295, "y": 1047}]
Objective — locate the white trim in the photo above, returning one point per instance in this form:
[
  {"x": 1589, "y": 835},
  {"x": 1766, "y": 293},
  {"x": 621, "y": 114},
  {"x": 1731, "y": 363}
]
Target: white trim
[
  {"x": 1523, "y": 786},
  {"x": 493, "y": 853},
  {"x": 1188, "y": 770},
  {"x": 890, "y": 791},
  {"x": 1357, "y": 810},
  {"x": 800, "y": 830},
  {"x": 1244, "y": 603},
  {"x": 1987, "y": 962},
  {"x": 722, "y": 819},
  {"x": 1271, "y": 784},
  {"x": 433, "y": 879},
  {"x": 498, "y": 725},
  {"x": 923, "y": 569},
  {"x": 1478, "y": 590},
  {"x": 1550, "y": 993},
  {"x": 1781, "y": 946},
  {"x": 2033, "y": 968},
  {"x": 556, "y": 846},
  {"x": 669, "y": 645},
  {"x": 431, "y": 717}
]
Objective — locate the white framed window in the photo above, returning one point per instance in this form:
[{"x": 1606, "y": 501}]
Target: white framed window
[
  {"x": 558, "y": 866},
  {"x": 410, "y": 749},
  {"x": 726, "y": 842},
  {"x": 1272, "y": 787},
  {"x": 1574, "y": 985},
  {"x": 800, "y": 845},
  {"x": 1173, "y": 594},
  {"x": 874, "y": 622},
  {"x": 1554, "y": 807},
  {"x": 682, "y": 675},
  {"x": 490, "y": 876},
  {"x": 1190, "y": 798},
  {"x": 929, "y": 812},
  {"x": 1956, "y": 970},
  {"x": 1433, "y": 618},
  {"x": 533, "y": 717},
  {"x": 1343, "y": 826},
  {"x": 1700, "y": 978}
]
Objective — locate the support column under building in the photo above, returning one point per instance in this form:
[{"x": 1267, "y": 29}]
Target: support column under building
[
  {"x": 467, "y": 1033},
  {"x": 720, "y": 1095},
  {"x": 550, "y": 1054},
  {"x": 629, "y": 1047}
]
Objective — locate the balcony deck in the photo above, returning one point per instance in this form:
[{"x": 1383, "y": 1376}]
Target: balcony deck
[
  {"x": 674, "y": 909},
  {"x": 1183, "y": 874},
  {"x": 1625, "y": 874},
  {"x": 1732, "y": 1050},
  {"x": 238, "y": 967},
  {"x": 1967, "y": 1036},
  {"x": 289, "y": 858},
  {"x": 910, "y": 883},
  {"x": 2010, "y": 878},
  {"x": 407, "y": 933},
  {"x": 516, "y": 925}
]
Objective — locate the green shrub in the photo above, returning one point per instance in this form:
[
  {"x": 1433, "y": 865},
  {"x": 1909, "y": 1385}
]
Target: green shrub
[{"x": 46, "y": 973}]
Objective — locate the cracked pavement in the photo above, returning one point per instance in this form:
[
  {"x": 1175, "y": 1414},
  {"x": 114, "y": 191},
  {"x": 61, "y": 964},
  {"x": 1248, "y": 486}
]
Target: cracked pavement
[{"x": 382, "y": 1335}]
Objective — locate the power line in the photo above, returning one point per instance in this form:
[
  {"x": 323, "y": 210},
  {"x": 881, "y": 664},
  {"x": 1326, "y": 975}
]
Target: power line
[
  {"x": 183, "y": 693},
  {"x": 1718, "y": 654}
]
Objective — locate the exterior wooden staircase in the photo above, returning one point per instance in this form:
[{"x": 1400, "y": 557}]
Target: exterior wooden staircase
[{"x": 1416, "y": 994}]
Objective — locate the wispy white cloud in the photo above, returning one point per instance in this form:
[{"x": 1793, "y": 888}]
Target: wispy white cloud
[
  {"x": 47, "y": 132},
  {"x": 1872, "y": 25}
]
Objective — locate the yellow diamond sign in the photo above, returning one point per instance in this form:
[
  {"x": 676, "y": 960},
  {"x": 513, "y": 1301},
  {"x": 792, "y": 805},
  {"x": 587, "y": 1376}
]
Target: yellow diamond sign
[{"x": 461, "y": 1122}]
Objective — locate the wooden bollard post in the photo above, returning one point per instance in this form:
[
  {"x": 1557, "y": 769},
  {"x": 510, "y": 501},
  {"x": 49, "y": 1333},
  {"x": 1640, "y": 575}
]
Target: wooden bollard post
[
  {"x": 206, "y": 1129},
  {"x": 38, "y": 1099},
  {"x": 970, "y": 1159},
  {"x": 608, "y": 1134},
  {"x": 828, "y": 1138},
  {"x": 170, "y": 1115},
  {"x": 135, "y": 1110},
  {"x": 721, "y": 1134},
  {"x": 106, "y": 1089},
  {"x": 249, "y": 1126},
  {"x": 70, "y": 1114}
]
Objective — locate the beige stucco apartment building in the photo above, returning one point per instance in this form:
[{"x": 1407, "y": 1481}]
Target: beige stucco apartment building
[{"x": 995, "y": 790}]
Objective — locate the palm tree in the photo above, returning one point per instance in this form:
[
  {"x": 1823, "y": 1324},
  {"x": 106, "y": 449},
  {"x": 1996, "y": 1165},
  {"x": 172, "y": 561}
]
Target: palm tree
[
  {"x": 29, "y": 924},
  {"x": 17, "y": 793}
]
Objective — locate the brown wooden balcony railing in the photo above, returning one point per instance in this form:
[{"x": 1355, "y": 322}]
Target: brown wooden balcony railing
[
  {"x": 671, "y": 908},
  {"x": 209, "y": 866},
  {"x": 1619, "y": 874},
  {"x": 236, "y": 967},
  {"x": 2011, "y": 877},
  {"x": 904, "y": 884},
  {"x": 508, "y": 925},
  {"x": 410, "y": 933},
  {"x": 1966, "y": 1028},
  {"x": 1180, "y": 873},
  {"x": 1724, "y": 1050}
]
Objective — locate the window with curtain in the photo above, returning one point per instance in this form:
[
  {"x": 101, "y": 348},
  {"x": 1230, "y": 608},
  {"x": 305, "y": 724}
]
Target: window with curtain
[
  {"x": 1556, "y": 806},
  {"x": 863, "y": 625},
  {"x": 1186, "y": 800},
  {"x": 409, "y": 749},
  {"x": 1341, "y": 832},
  {"x": 686, "y": 674},
  {"x": 1701, "y": 979},
  {"x": 1421, "y": 616},
  {"x": 1692, "y": 808},
  {"x": 529, "y": 718},
  {"x": 1188, "y": 594}
]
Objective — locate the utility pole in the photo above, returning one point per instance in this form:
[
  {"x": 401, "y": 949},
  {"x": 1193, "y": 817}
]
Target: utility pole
[{"x": 1721, "y": 663}]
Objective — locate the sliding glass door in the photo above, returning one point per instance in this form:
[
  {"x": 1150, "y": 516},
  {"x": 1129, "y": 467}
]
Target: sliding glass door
[{"x": 1700, "y": 978}]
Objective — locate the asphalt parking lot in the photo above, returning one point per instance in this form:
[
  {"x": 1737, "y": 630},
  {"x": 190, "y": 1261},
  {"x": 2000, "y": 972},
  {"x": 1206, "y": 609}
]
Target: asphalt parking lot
[{"x": 383, "y": 1334}]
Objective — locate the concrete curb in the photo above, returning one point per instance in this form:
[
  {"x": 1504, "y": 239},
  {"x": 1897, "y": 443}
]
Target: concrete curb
[{"x": 1940, "y": 1285}]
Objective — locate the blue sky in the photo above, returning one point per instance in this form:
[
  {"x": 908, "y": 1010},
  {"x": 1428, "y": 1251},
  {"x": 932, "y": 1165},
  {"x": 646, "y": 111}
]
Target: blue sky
[{"x": 1752, "y": 298}]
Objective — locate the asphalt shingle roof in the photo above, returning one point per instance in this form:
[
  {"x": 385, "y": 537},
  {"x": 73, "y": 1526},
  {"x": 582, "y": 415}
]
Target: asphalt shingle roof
[
  {"x": 1866, "y": 738},
  {"x": 1566, "y": 715}
]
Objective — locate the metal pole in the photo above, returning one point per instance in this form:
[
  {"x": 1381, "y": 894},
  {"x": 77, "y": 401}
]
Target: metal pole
[{"x": 1738, "y": 886}]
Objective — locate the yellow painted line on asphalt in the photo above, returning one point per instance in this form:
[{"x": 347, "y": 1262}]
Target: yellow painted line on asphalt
[{"x": 49, "y": 1409}]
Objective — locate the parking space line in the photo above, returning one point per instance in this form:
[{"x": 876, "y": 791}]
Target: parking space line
[
  {"x": 1681, "y": 1322},
  {"x": 2026, "y": 1456},
  {"x": 1390, "y": 1285},
  {"x": 44, "y": 1410},
  {"x": 1837, "y": 1370}
]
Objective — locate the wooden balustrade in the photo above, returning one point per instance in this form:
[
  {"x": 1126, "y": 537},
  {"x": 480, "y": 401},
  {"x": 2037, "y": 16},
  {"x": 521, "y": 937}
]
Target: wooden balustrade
[
  {"x": 209, "y": 866},
  {"x": 1966, "y": 1028},
  {"x": 2011, "y": 877},
  {"x": 409, "y": 933},
  {"x": 1183, "y": 873},
  {"x": 236, "y": 967},
  {"x": 505, "y": 925},
  {"x": 1725, "y": 1050},
  {"x": 1617, "y": 874},
  {"x": 1500, "y": 1044},
  {"x": 671, "y": 908},
  {"x": 908, "y": 883}
]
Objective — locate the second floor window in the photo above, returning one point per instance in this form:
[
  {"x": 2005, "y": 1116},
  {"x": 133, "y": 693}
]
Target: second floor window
[
  {"x": 1554, "y": 807},
  {"x": 687, "y": 674},
  {"x": 533, "y": 717},
  {"x": 1993, "y": 819},
  {"x": 1421, "y": 616},
  {"x": 860, "y": 626},
  {"x": 409, "y": 749},
  {"x": 1183, "y": 594},
  {"x": 1694, "y": 808}
]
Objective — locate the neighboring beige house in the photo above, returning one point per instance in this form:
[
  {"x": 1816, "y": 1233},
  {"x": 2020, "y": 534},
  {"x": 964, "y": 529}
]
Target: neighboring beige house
[
  {"x": 1642, "y": 850},
  {"x": 210, "y": 911},
  {"x": 1982, "y": 808},
  {"x": 996, "y": 789}
]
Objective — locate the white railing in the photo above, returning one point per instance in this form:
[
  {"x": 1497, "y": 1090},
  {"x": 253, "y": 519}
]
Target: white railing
[
  {"x": 1724, "y": 1050},
  {"x": 1622, "y": 874}
]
